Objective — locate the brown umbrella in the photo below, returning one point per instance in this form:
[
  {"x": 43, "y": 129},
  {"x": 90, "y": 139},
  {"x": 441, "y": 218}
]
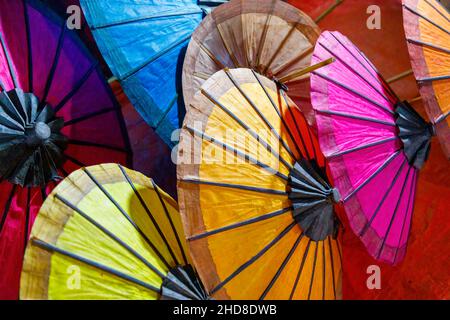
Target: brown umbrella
[{"x": 271, "y": 37}]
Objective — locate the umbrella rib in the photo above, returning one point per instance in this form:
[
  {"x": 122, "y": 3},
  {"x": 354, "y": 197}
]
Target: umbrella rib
[
  {"x": 75, "y": 161},
  {"x": 166, "y": 112},
  {"x": 154, "y": 57},
  {"x": 126, "y": 216},
  {"x": 97, "y": 145},
  {"x": 362, "y": 147},
  {"x": 332, "y": 267},
  {"x": 314, "y": 155},
  {"x": 282, "y": 267},
  {"x": 355, "y": 72},
  {"x": 12, "y": 73},
  {"x": 27, "y": 219},
  {"x": 43, "y": 193},
  {"x": 252, "y": 104},
  {"x": 111, "y": 235},
  {"x": 235, "y": 186},
  {"x": 406, "y": 216},
  {"x": 437, "y": 10},
  {"x": 114, "y": 272},
  {"x": 28, "y": 35},
  {"x": 360, "y": 53},
  {"x": 262, "y": 40},
  {"x": 313, "y": 272},
  {"x": 240, "y": 224},
  {"x": 242, "y": 154},
  {"x": 302, "y": 54},
  {"x": 147, "y": 210},
  {"x": 324, "y": 269},
  {"x": 300, "y": 271},
  {"x": 373, "y": 175},
  {"x": 249, "y": 130},
  {"x": 394, "y": 214},
  {"x": 279, "y": 114},
  {"x": 280, "y": 47},
  {"x": 89, "y": 116},
  {"x": 253, "y": 259},
  {"x": 7, "y": 207},
  {"x": 64, "y": 172},
  {"x": 52, "y": 71},
  {"x": 211, "y": 56},
  {"x": 353, "y": 91},
  {"x": 141, "y": 19},
  {"x": 426, "y": 19},
  {"x": 442, "y": 117},
  {"x": 340, "y": 252},
  {"x": 75, "y": 88},
  {"x": 437, "y": 78},
  {"x": 50, "y": 159},
  {"x": 428, "y": 44},
  {"x": 346, "y": 115},
  {"x": 172, "y": 225}
]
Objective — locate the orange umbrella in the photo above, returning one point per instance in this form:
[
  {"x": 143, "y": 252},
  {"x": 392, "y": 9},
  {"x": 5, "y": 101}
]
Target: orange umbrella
[
  {"x": 257, "y": 206},
  {"x": 427, "y": 28}
]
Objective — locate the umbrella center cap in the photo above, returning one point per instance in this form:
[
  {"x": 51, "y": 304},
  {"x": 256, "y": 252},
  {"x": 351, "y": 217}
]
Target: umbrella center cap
[
  {"x": 30, "y": 139},
  {"x": 39, "y": 134},
  {"x": 415, "y": 134},
  {"x": 313, "y": 201},
  {"x": 182, "y": 283}
]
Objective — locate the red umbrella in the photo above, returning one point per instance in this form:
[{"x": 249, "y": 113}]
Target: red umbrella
[{"x": 57, "y": 115}]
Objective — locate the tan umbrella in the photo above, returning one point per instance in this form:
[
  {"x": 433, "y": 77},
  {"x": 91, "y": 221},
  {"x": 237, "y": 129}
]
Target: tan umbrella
[{"x": 269, "y": 36}]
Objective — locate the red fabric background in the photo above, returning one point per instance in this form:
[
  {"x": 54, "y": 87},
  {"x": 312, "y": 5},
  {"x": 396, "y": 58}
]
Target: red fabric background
[{"x": 424, "y": 274}]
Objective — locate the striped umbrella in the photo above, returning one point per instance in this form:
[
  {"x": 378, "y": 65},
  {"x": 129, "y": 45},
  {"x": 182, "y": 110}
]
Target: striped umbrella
[
  {"x": 57, "y": 113},
  {"x": 255, "y": 199},
  {"x": 107, "y": 232}
]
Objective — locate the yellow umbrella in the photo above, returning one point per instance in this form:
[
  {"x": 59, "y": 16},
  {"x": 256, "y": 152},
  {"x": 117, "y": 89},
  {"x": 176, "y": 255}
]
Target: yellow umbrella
[
  {"x": 257, "y": 206},
  {"x": 107, "y": 232}
]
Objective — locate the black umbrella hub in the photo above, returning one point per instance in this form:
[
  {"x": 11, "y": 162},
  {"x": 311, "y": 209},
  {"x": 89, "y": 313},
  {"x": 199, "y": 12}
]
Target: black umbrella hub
[
  {"x": 415, "y": 134},
  {"x": 182, "y": 283},
  {"x": 31, "y": 145},
  {"x": 313, "y": 201}
]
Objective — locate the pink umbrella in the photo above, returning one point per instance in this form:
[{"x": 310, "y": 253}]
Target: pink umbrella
[{"x": 374, "y": 143}]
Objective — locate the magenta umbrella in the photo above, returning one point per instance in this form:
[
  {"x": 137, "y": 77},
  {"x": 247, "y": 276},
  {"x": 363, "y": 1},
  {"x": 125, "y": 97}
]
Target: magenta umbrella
[{"x": 374, "y": 143}]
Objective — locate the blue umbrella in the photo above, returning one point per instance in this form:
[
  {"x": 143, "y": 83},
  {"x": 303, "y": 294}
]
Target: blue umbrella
[{"x": 144, "y": 43}]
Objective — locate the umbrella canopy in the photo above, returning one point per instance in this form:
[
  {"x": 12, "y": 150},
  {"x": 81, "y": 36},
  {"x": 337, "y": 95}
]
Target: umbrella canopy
[
  {"x": 422, "y": 272},
  {"x": 144, "y": 43},
  {"x": 151, "y": 156},
  {"x": 115, "y": 230},
  {"x": 271, "y": 37},
  {"x": 427, "y": 28},
  {"x": 257, "y": 206},
  {"x": 369, "y": 138},
  {"x": 57, "y": 114}
]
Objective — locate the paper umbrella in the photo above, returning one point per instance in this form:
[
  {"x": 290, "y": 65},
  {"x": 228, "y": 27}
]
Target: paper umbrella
[
  {"x": 374, "y": 143},
  {"x": 56, "y": 114},
  {"x": 107, "y": 232},
  {"x": 254, "y": 195}
]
